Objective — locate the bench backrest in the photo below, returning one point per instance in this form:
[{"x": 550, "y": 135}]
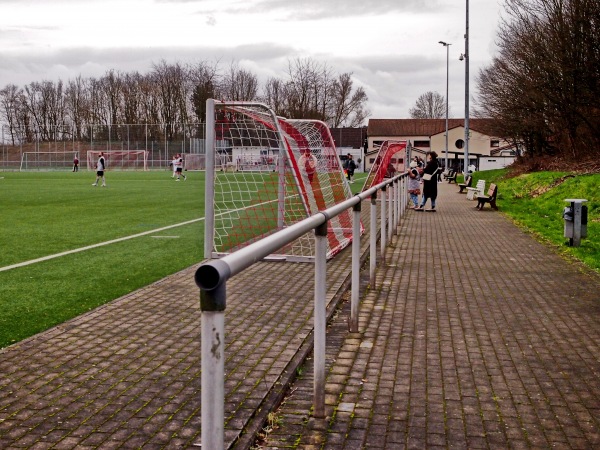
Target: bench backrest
[
  {"x": 492, "y": 191},
  {"x": 481, "y": 186},
  {"x": 469, "y": 181}
]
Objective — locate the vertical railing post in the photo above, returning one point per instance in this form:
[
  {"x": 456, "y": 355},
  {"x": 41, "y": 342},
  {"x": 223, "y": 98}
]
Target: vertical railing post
[
  {"x": 383, "y": 240},
  {"x": 320, "y": 319},
  {"x": 403, "y": 196},
  {"x": 373, "y": 241},
  {"x": 212, "y": 304},
  {"x": 400, "y": 181},
  {"x": 396, "y": 203},
  {"x": 355, "y": 291},
  {"x": 392, "y": 211},
  {"x": 209, "y": 192}
]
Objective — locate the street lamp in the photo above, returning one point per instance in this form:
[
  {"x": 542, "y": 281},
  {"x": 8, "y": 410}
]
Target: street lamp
[
  {"x": 465, "y": 56},
  {"x": 445, "y": 44}
]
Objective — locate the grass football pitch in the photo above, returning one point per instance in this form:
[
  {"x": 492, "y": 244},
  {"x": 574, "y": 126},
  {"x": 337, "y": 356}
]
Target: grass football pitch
[{"x": 48, "y": 213}]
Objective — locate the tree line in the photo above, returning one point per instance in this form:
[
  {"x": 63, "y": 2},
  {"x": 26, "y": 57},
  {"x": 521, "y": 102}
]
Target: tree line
[
  {"x": 543, "y": 87},
  {"x": 174, "y": 94}
]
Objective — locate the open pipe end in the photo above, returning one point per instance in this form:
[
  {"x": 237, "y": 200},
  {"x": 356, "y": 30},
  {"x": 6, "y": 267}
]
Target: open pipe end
[{"x": 211, "y": 275}]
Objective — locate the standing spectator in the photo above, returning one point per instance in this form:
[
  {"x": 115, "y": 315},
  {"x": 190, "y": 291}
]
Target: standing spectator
[
  {"x": 414, "y": 184},
  {"x": 75, "y": 164},
  {"x": 100, "y": 167},
  {"x": 351, "y": 168},
  {"x": 178, "y": 163},
  {"x": 430, "y": 183}
]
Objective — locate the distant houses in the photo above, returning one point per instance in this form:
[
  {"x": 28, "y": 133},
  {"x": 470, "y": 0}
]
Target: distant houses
[{"x": 486, "y": 151}]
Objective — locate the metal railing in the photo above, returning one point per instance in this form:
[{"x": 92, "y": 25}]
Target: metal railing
[{"x": 212, "y": 276}]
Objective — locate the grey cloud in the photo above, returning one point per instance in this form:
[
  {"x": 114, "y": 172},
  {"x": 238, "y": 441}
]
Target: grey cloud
[
  {"x": 322, "y": 9},
  {"x": 35, "y": 66}
]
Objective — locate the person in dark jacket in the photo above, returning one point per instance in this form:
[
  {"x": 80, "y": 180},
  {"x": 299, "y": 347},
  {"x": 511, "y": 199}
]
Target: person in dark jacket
[{"x": 430, "y": 187}]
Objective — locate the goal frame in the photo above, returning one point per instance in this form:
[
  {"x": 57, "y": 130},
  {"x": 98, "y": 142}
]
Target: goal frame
[
  {"x": 68, "y": 163},
  {"x": 292, "y": 149},
  {"x": 379, "y": 168},
  {"x": 92, "y": 157}
]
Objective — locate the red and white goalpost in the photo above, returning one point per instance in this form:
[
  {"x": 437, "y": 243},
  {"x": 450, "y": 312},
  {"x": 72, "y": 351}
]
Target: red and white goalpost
[
  {"x": 119, "y": 159},
  {"x": 264, "y": 173},
  {"x": 390, "y": 160}
]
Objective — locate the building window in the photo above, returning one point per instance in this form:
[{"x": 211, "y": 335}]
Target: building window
[
  {"x": 371, "y": 160},
  {"x": 421, "y": 144},
  {"x": 377, "y": 143},
  {"x": 459, "y": 143},
  {"x": 494, "y": 143}
]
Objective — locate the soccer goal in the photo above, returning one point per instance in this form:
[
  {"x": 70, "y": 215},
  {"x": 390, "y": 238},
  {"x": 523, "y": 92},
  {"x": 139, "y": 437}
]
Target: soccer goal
[
  {"x": 119, "y": 159},
  {"x": 264, "y": 173},
  {"x": 47, "y": 161},
  {"x": 390, "y": 161}
]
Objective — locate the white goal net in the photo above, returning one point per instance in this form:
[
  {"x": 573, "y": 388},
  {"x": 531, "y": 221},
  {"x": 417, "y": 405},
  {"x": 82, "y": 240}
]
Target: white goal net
[
  {"x": 119, "y": 159},
  {"x": 47, "y": 161}
]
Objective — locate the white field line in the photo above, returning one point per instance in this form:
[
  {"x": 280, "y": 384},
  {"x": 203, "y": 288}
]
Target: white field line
[
  {"x": 114, "y": 241},
  {"x": 100, "y": 244}
]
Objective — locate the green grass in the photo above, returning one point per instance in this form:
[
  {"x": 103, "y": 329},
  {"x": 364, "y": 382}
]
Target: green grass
[
  {"x": 49, "y": 213},
  {"x": 536, "y": 201},
  {"x": 46, "y": 213}
]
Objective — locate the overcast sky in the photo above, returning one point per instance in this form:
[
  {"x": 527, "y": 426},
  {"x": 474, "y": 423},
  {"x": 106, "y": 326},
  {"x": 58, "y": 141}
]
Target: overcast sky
[{"x": 390, "y": 46}]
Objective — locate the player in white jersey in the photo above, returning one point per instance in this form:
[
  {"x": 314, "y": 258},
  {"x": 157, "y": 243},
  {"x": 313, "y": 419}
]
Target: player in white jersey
[
  {"x": 100, "y": 167},
  {"x": 178, "y": 163}
]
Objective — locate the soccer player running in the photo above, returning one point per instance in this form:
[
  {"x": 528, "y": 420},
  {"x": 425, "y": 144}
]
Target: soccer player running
[
  {"x": 179, "y": 167},
  {"x": 100, "y": 166}
]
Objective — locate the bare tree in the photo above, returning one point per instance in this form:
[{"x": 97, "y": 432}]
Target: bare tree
[
  {"x": 205, "y": 84},
  {"x": 172, "y": 94},
  {"x": 239, "y": 84},
  {"x": 113, "y": 90},
  {"x": 430, "y": 105},
  {"x": 303, "y": 89},
  {"x": 11, "y": 108},
  {"x": 543, "y": 89},
  {"x": 274, "y": 94},
  {"x": 77, "y": 105},
  {"x": 171, "y": 88},
  {"x": 347, "y": 106},
  {"x": 45, "y": 103}
]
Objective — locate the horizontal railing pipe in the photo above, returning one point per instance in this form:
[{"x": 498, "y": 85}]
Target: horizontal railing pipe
[
  {"x": 211, "y": 277},
  {"x": 214, "y": 272}
]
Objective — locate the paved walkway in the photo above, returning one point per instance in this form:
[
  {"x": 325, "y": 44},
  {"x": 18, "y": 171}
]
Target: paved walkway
[
  {"x": 477, "y": 336},
  {"x": 498, "y": 348}
]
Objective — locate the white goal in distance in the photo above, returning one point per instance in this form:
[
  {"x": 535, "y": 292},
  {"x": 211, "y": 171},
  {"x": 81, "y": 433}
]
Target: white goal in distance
[
  {"x": 264, "y": 173},
  {"x": 119, "y": 159},
  {"x": 46, "y": 161}
]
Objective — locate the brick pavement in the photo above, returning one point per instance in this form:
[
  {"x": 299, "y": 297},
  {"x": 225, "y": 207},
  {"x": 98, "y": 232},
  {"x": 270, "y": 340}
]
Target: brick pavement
[
  {"x": 127, "y": 375},
  {"x": 497, "y": 353},
  {"x": 476, "y": 336}
]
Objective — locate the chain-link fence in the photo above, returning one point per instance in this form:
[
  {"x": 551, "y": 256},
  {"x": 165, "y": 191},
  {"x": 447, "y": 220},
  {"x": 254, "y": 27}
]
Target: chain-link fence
[{"x": 161, "y": 141}]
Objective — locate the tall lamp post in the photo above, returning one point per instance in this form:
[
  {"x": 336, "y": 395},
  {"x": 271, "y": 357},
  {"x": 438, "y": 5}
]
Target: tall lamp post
[
  {"x": 445, "y": 44},
  {"x": 465, "y": 56}
]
